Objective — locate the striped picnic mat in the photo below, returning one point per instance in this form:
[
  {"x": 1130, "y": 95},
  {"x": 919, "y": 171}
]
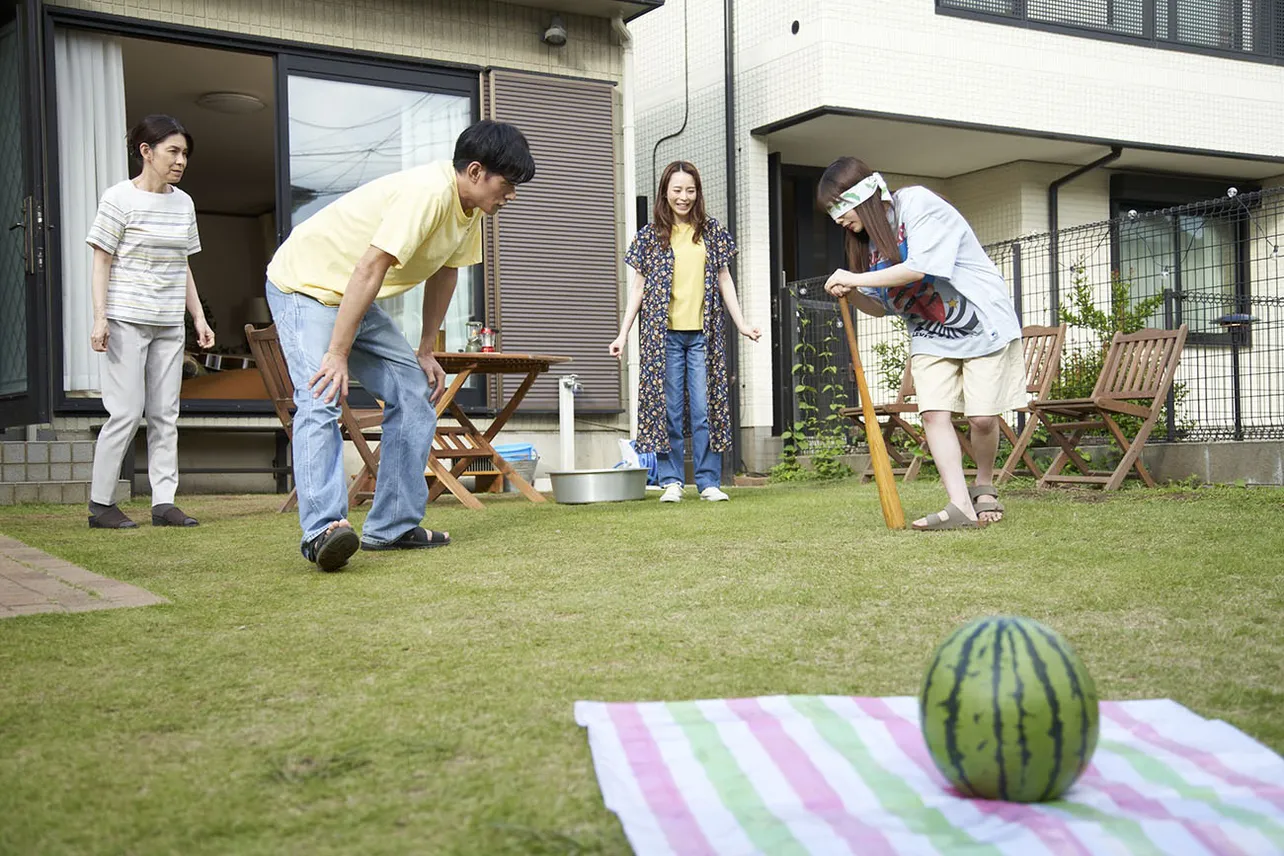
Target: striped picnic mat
[{"x": 831, "y": 774}]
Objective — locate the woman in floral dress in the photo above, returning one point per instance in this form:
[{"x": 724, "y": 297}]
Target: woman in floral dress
[{"x": 679, "y": 289}]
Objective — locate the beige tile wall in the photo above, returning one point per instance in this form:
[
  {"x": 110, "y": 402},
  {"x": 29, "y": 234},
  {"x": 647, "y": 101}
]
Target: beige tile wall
[{"x": 474, "y": 32}]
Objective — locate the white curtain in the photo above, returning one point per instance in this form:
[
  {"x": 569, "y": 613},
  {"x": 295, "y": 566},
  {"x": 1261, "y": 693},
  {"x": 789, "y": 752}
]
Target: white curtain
[
  {"x": 92, "y": 157},
  {"x": 429, "y": 126}
]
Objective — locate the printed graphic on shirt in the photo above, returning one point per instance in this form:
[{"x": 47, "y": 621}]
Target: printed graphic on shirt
[{"x": 933, "y": 306}]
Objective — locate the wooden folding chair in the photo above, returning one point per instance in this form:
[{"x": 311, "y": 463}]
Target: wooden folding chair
[
  {"x": 1041, "y": 350},
  {"x": 906, "y": 463},
  {"x": 1041, "y": 347},
  {"x": 358, "y": 426},
  {"x": 1139, "y": 367}
]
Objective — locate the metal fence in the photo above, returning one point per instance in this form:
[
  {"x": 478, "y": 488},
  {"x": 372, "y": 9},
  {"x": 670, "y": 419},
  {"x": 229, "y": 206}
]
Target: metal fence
[{"x": 1217, "y": 266}]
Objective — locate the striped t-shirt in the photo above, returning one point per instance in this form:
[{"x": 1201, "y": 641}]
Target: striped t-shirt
[{"x": 150, "y": 236}]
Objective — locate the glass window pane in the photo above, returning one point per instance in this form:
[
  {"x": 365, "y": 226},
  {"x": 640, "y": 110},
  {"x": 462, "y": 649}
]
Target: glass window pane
[
  {"x": 343, "y": 135},
  {"x": 1207, "y": 271},
  {"x": 13, "y": 280},
  {"x": 1194, "y": 252},
  {"x": 1199, "y": 22},
  {"x": 1146, "y": 259}
]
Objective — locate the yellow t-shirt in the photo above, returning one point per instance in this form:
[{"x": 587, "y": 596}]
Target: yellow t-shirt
[
  {"x": 686, "y": 302},
  {"x": 414, "y": 215}
]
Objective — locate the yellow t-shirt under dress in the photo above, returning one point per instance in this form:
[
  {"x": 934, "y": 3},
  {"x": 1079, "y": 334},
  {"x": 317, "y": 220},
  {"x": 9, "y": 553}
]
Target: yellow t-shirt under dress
[{"x": 686, "y": 303}]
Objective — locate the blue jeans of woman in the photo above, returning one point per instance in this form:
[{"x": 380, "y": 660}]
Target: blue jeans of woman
[
  {"x": 385, "y": 364},
  {"x": 685, "y": 370}
]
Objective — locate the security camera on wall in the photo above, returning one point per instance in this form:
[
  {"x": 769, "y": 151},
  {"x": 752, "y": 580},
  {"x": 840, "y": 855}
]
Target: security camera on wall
[{"x": 555, "y": 35}]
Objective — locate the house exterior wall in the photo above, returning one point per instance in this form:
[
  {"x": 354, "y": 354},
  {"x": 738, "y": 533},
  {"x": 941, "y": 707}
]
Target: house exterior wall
[
  {"x": 915, "y": 62},
  {"x": 473, "y": 32},
  {"x": 943, "y": 67}
]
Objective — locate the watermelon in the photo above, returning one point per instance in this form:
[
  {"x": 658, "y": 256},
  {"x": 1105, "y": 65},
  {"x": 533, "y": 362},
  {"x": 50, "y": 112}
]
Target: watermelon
[{"x": 1008, "y": 711}]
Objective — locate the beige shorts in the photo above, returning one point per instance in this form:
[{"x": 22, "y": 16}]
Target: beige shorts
[{"x": 978, "y": 386}]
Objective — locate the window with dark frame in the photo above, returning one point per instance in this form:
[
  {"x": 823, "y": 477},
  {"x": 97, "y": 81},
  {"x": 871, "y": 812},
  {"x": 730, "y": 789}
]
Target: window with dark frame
[
  {"x": 1185, "y": 240},
  {"x": 348, "y": 123},
  {"x": 297, "y": 62},
  {"x": 1247, "y": 29}
]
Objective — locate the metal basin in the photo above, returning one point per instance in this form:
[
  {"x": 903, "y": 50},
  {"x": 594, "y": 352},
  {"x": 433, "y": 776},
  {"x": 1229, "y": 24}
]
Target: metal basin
[{"x": 576, "y": 487}]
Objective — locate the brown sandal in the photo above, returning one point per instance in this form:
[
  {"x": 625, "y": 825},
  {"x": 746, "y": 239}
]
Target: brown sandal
[
  {"x": 951, "y": 518},
  {"x": 985, "y": 499}
]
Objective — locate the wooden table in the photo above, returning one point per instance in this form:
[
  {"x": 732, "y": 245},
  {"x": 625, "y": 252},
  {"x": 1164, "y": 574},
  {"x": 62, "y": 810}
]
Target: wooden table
[{"x": 464, "y": 442}]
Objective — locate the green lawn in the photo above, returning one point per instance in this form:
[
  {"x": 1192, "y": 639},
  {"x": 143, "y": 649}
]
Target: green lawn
[{"x": 421, "y": 703}]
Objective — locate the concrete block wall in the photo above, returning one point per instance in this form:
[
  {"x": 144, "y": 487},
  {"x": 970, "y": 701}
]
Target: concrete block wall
[{"x": 50, "y": 471}]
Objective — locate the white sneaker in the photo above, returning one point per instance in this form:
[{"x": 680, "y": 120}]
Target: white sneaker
[
  {"x": 713, "y": 494},
  {"x": 672, "y": 493}
]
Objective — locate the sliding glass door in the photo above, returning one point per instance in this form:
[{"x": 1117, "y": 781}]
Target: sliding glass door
[
  {"x": 299, "y": 130},
  {"x": 23, "y": 375},
  {"x": 350, "y": 123}
]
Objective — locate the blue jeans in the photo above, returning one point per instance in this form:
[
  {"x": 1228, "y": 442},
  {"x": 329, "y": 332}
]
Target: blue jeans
[
  {"x": 386, "y": 365},
  {"x": 685, "y": 369}
]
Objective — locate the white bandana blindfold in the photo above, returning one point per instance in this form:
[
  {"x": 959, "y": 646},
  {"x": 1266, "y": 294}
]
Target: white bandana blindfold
[{"x": 861, "y": 192}]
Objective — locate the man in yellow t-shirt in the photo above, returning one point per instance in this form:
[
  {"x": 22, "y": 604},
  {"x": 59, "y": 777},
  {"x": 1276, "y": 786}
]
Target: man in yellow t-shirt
[{"x": 377, "y": 241}]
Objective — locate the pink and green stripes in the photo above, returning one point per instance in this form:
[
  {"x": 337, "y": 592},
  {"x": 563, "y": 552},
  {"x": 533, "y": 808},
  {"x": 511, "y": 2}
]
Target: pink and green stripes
[{"x": 835, "y": 775}]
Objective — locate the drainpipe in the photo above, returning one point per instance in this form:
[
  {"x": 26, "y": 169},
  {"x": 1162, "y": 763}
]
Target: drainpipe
[
  {"x": 733, "y": 339},
  {"x": 630, "y": 194},
  {"x": 1054, "y": 291}
]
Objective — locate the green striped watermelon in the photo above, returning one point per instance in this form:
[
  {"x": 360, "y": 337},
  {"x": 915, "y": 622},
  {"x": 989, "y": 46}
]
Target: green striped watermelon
[{"x": 1008, "y": 711}]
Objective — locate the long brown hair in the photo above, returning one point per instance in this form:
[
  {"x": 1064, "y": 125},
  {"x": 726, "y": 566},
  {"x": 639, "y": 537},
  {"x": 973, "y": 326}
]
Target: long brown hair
[
  {"x": 845, "y": 173},
  {"x": 663, "y": 217}
]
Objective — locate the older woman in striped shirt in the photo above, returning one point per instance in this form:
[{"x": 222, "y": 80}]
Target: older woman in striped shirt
[{"x": 143, "y": 233}]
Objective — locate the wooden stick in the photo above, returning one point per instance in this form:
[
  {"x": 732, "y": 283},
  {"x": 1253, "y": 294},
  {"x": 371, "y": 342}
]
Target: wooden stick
[{"x": 893, "y": 514}]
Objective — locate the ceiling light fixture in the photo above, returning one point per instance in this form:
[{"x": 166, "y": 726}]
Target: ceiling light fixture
[{"x": 230, "y": 102}]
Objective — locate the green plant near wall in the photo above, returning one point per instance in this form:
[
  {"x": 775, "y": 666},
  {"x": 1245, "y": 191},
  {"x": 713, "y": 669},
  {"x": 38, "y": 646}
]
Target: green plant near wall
[
  {"x": 832, "y": 438},
  {"x": 793, "y": 437},
  {"x": 823, "y": 437},
  {"x": 1123, "y": 314},
  {"x": 892, "y": 355}
]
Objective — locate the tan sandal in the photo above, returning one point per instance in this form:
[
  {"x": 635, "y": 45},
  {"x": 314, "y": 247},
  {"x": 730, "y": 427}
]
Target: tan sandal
[
  {"x": 951, "y": 518},
  {"x": 985, "y": 499}
]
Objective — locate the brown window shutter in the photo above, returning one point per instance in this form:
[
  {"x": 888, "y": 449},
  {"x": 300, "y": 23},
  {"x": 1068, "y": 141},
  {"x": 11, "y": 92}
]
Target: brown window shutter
[{"x": 553, "y": 255}]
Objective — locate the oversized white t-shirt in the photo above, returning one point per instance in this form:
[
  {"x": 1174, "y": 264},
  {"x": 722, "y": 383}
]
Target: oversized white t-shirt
[
  {"x": 150, "y": 236},
  {"x": 960, "y": 308}
]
